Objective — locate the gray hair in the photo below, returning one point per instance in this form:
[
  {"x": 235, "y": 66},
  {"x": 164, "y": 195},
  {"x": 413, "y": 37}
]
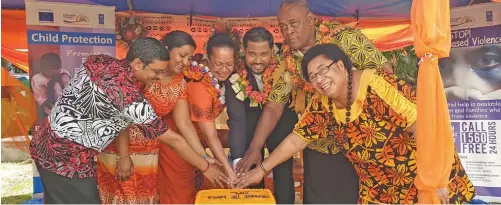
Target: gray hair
[{"x": 301, "y": 3}]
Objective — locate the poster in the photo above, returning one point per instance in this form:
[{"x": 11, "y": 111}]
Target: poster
[
  {"x": 60, "y": 37},
  {"x": 472, "y": 82}
]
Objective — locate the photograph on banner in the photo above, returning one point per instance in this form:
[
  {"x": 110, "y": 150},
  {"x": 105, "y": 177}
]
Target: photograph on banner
[
  {"x": 472, "y": 81},
  {"x": 58, "y": 42}
]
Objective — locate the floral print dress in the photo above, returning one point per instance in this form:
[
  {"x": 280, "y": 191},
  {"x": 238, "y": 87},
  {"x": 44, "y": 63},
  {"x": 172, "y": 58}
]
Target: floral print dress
[
  {"x": 142, "y": 187},
  {"x": 179, "y": 180},
  {"x": 376, "y": 142}
]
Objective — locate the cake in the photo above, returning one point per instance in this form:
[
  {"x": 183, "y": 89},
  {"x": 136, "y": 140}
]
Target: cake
[{"x": 235, "y": 196}]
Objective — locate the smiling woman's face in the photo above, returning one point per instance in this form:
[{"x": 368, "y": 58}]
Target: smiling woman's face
[
  {"x": 327, "y": 77},
  {"x": 222, "y": 62},
  {"x": 180, "y": 58}
]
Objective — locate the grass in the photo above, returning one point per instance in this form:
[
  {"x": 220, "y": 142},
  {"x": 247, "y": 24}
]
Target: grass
[{"x": 17, "y": 182}]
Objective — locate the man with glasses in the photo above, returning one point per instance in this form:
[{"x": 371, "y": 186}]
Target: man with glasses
[
  {"x": 300, "y": 30},
  {"x": 101, "y": 101},
  {"x": 157, "y": 72}
]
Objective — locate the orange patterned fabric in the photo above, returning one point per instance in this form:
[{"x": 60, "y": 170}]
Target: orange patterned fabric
[
  {"x": 179, "y": 181},
  {"x": 166, "y": 96},
  {"x": 142, "y": 187},
  {"x": 375, "y": 141},
  {"x": 204, "y": 106}
]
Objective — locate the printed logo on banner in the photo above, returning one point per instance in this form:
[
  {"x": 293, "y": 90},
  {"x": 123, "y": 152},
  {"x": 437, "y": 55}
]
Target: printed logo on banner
[
  {"x": 488, "y": 16},
  {"x": 462, "y": 21},
  {"x": 45, "y": 17},
  {"x": 75, "y": 19},
  {"x": 101, "y": 18}
]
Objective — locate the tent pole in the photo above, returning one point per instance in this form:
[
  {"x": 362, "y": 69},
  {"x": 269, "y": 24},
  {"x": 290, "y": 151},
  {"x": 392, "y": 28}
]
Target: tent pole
[
  {"x": 269, "y": 7},
  {"x": 129, "y": 4},
  {"x": 191, "y": 14}
]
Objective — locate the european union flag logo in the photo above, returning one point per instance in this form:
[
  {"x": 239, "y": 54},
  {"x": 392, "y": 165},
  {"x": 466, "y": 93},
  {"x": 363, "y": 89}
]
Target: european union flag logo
[
  {"x": 101, "y": 18},
  {"x": 46, "y": 17},
  {"x": 488, "y": 16}
]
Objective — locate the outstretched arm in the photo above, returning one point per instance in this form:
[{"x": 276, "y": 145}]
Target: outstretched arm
[
  {"x": 210, "y": 132},
  {"x": 290, "y": 146},
  {"x": 203, "y": 113},
  {"x": 185, "y": 125},
  {"x": 186, "y": 152},
  {"x": 273, "y": 110},
  {"x": 267, "y": 122},
  {"x": 293, "y": 143}
]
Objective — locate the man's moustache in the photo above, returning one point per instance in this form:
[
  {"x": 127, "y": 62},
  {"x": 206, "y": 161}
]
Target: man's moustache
[{"x": 257, "y": 65}]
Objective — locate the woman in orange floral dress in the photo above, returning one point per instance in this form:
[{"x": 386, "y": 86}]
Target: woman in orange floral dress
[
  {"x": 179, "y": 181},
  {"x": 374, "y": 130},
  {"x": 167, "y": 96}
]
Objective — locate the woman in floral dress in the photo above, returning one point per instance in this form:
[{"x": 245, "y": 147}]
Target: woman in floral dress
[
  {"x": 370, "y": 116},
  {"x": 167, "y": 95},
  {"x": 180, "y": 181}
]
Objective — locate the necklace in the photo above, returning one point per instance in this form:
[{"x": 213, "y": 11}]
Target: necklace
[
  {"x": 243, "y": 88},
  {"x": 200, "y": 72},
  {"x": 348, "y": 105}
]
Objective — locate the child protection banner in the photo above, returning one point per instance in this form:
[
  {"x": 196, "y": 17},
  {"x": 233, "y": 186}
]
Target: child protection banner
[
  {"x": 472, "y": 81},
  {"x": 61, "y": 36}
]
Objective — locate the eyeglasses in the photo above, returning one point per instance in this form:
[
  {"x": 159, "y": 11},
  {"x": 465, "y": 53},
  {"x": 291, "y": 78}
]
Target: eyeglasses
[
  {"x": 157, "y": 72},
  {"x": 228, "y": 65},
  {"x": 321, "y": 71}
]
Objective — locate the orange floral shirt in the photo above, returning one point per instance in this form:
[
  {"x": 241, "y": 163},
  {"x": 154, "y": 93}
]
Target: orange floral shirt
[{"x": 375, "y": 140}]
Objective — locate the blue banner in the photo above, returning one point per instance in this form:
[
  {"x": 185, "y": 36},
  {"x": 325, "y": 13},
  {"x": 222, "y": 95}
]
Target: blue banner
[{"x": 71, "y": 38}]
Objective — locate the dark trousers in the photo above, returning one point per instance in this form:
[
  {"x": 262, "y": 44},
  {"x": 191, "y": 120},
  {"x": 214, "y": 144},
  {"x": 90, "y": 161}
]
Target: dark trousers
[
  {"x": 58, "y": 189},
  {"x": 329, "y": 179},
  {"x": 283, "y": 179}
]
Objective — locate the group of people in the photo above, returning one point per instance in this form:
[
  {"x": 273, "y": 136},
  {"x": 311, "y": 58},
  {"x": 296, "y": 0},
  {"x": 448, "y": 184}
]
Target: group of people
[{"x": 136, "y": 130}]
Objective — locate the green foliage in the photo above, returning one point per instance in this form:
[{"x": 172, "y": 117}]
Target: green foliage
[{"x": 404, "y": 62}]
